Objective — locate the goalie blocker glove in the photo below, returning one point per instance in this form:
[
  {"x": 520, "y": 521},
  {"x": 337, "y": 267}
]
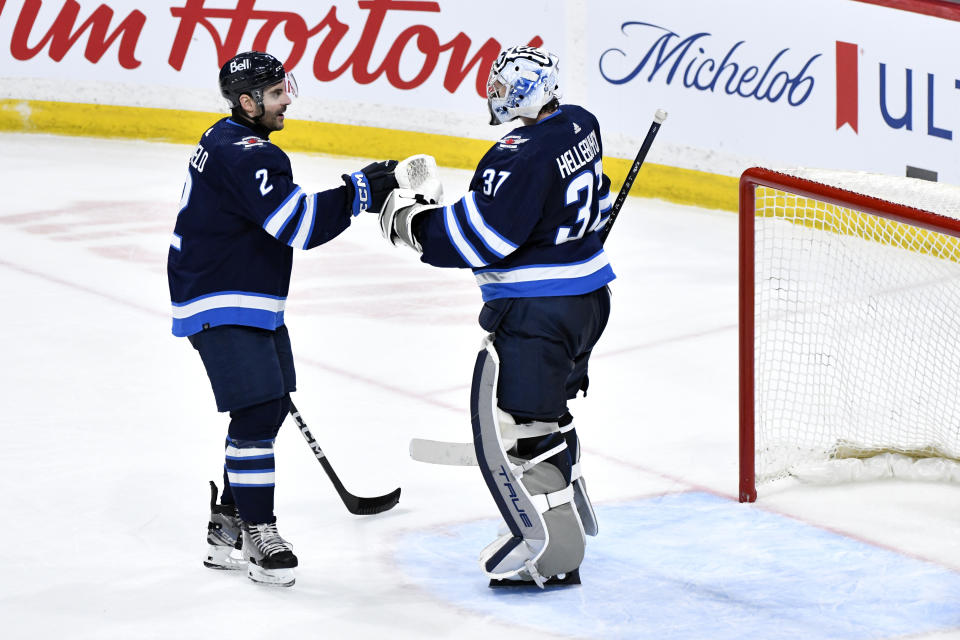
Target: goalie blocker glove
[{"x": 399, "y": 211}]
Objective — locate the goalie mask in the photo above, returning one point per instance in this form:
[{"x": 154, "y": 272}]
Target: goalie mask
[{"x": 522, "y": 80}]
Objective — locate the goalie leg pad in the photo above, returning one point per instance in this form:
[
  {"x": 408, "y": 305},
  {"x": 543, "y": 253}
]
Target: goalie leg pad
[
  {"x": 533, "y": 494},
  {"x": 584, "y": 507},
  {"x": 580, "y": 496}
]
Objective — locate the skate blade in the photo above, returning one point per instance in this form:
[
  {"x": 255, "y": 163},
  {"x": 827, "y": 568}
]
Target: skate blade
[
  {"x": 222, "y": 558},
  {"x": 271, "y": 577},
  {"x": 570, "y": 578}
]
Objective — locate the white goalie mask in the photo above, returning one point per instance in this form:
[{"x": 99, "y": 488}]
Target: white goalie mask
[{"x": 522, "y": 80}]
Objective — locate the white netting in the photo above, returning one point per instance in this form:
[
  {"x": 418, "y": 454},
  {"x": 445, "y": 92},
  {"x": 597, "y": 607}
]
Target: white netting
[{"x": 857, "y": 328}]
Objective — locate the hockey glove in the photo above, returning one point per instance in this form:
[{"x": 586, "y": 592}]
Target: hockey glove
[
  {"x": 396, "y": 219},
  {"x": 419, "y": 173},
  {"x": 370, "y": 186}
]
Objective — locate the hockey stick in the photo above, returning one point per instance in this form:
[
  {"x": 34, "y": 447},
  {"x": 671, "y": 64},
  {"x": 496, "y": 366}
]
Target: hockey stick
[
  {"x": 356, "y": 505},
  {"x": 457, "y": 454},
  {"x": 658, "y": 119}
]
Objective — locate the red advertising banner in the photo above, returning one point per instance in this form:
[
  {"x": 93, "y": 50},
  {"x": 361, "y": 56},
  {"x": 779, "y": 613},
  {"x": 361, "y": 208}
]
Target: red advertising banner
[{"x": 847, "y": 84}]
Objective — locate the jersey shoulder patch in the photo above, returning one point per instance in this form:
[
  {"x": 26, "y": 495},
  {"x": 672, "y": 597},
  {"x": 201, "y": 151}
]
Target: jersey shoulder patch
[
  {"x": 251, "y": 142},
  {"x": 511, "y": 142}
]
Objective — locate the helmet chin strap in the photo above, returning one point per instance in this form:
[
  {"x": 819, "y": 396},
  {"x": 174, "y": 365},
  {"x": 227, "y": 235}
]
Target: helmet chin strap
[{"x": 257, "y": 97}]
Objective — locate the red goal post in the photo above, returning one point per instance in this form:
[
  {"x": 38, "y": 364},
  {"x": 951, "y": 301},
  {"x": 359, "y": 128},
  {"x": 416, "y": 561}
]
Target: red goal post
[{"x": 804, "y": 236}]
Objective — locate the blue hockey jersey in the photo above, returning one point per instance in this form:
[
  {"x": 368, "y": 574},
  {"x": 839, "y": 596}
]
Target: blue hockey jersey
[
  {"x": 241, "y": 215},
  {"x": 527, "y": 226}
]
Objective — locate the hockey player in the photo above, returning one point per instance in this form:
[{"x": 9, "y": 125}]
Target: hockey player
[
  {"x": 229, "y": 265},
  {"x": 527, "y": 227}
]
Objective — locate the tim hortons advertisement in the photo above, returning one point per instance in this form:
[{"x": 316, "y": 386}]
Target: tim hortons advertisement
[
  {"x": 405, "y": 53},
  {"x": 823, "y": 83}
]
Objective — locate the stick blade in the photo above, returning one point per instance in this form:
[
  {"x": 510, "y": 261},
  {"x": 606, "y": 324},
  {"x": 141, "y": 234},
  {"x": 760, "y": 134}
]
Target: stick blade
[
  {"x": 459, "y": 454},
  {"x": 361, "y": 506}
]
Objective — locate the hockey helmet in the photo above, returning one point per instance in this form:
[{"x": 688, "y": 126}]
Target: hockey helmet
[
  {"x": 250, "y": 73},
  {"x": 522, "y": 80}
]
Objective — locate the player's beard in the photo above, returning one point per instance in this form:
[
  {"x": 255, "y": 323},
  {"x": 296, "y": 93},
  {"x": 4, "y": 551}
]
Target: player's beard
[{"x": 274, "y": 122}]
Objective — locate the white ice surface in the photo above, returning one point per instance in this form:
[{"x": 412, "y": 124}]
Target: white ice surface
[{"x": 110, "y": 433}]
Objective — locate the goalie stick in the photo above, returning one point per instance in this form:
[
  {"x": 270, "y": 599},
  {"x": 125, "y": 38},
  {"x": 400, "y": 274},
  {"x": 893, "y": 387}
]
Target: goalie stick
[
  {"x": 658, "y": 119},
  {"x": 462, "y": 453},
  {"x": 356, "y": 505},
  {"x": 458, "y": 454}
]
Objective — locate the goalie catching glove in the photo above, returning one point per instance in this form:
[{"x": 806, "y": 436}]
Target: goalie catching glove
[{"x": 419, "y": 189}]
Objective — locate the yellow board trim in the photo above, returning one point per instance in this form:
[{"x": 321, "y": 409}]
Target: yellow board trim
[{"x": 683, "y": 186}]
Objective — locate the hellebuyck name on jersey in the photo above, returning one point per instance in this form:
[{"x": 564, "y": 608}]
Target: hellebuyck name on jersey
[
  {"x": 527, "y": 225},
  {"x": 578, "y": 156},
  {"x": 241, "y": 216}
]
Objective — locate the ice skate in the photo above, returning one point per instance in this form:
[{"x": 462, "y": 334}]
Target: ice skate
[
  {"x": 270, "y": 557},
  {"x": 223, "y": 536}
]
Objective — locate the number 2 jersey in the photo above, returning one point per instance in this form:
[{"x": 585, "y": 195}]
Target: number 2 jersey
[
  {"x": 527, "y": 226},
  {"x": 241, "y": 215}
]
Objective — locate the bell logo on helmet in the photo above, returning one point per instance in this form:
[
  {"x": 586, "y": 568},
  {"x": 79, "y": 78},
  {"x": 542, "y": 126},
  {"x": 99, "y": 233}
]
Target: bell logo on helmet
[{"x": 239, "y": 65}]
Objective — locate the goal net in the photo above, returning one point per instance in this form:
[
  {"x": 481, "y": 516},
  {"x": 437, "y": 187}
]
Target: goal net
[{"x": 849, "y": 327}]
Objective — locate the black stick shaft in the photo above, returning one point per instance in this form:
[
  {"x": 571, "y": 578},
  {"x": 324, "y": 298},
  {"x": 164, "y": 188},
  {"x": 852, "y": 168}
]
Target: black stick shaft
[
  {"x": 355, "y": 504},
  {"x": 632, "y": 174}
]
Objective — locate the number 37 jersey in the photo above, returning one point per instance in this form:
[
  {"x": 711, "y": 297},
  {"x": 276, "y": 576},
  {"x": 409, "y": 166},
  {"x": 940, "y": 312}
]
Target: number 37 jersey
[{"x": 528, "y": 225}]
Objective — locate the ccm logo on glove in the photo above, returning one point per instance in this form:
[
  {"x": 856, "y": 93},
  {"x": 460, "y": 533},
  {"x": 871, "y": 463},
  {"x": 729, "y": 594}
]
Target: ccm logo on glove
[{"x": 361, "y": 193}]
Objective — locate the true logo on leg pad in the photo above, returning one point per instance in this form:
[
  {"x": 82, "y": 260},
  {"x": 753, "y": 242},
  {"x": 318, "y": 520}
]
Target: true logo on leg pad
[{"x": 514, "y": 496}]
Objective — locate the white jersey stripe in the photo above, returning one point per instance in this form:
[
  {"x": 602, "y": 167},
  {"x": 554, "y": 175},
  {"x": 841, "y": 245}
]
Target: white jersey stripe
[
  {"x": 538, "y": 272},
  {"x": 229, "y": 300},
  {"x": 494, "y": 241},
  {"x": 463, "y": 247},
  {"x": 299, "y": 241},
  {"x": 258, "y": 478},
  {"x": 279, "y": 218}
]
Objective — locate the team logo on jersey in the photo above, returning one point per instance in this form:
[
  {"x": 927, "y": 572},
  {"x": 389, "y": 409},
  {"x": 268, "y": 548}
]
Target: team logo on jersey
[
  {"x": 511, "y": 142},
  {"x": 250, "y": 142}
]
